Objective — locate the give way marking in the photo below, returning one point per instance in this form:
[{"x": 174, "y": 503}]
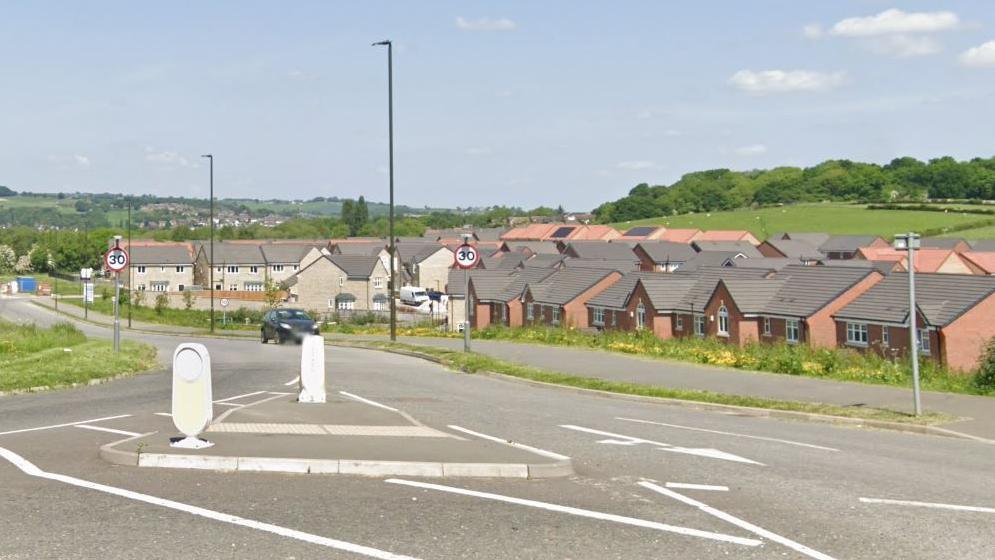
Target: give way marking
[
  {"x": 30, "y": 469},
  {"x": 620, "y": 439}
]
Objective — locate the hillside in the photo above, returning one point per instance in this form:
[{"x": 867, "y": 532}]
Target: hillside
[{"x": 838, "y": 218}]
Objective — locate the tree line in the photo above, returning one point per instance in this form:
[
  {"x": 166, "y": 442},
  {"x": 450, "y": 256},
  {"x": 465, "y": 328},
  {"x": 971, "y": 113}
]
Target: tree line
[{"x": 837, "y": 180}]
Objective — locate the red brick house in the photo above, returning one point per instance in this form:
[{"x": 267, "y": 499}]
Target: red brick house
[
  {"x": 496, "y": 297},
  {"x": 953, "y": 319},
  {"x": 560, "y": 299}
]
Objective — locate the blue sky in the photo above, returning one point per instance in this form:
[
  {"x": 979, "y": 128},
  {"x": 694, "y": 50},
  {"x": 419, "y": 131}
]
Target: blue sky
[{"x": 520, "y": 103}]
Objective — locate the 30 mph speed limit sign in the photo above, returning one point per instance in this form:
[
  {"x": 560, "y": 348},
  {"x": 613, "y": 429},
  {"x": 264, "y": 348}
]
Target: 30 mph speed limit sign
[
  {"x": 466, "y": 256},
  {"x": 116, "y": 259}
]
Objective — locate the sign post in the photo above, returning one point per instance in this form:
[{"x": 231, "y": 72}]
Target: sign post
[
  {"x": 86, "y": 276},
  {"x": 116, "y": 260},
  {"x": 466, "y": 258},
  {"x": 224, "y": 311}
]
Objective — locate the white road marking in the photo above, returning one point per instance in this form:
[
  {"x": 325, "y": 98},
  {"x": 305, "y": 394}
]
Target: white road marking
[
  {"x": 759, "y": 531},
  {"x": 785, "y": 441},
  {"x": 229, "y": 404},
  {"x": 368, "y": 401},
  {"x": 581, "y": 512},
  {"x": 293, "y": 381},
  {"x": 236, "y": 397},
  {"x": 163, "y": 414},
  {"x": 535, "y": 450},
  {"x": 620, "y": 439},
  {"x": 975, "y": 509},
  {"x": 686, "y": 486},
  {"x": 30, "y": 469},
  {"x": 65, "y": 425},
  {"x": 108, "y": 430}
]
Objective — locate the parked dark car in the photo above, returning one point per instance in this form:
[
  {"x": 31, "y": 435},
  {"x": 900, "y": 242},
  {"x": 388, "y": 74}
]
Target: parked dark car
[{"x": 287, "y": 324}]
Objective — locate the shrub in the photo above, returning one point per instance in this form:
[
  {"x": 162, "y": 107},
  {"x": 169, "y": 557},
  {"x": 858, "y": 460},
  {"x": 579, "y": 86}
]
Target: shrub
[
  {"x": 161, "y": 304},
  {"x": 187, "y": 300},
  {"x": 984, "y": 379},
  {"x": 138, "y": 298},
  {"x": 105, "y": 293}
]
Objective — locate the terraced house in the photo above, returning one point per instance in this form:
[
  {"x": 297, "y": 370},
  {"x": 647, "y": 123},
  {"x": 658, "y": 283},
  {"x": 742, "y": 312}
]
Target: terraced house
[
  {"x": 561, "y": 298},
  {"x": 161, "y": 267}
]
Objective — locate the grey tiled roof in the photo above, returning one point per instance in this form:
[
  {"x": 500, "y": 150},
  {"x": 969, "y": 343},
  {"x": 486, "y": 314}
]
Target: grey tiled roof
[
  {"x": 520, "y": 278},
  {"x": 667, "y": 251},
  {"x": 454, "y": 282},
  {"x": 847, "y": 242},
  {"x": 488, "y": 287},
  {"x": 489, "y": 234},
  {"x": 941, "y": 242},
  {"x": 565, "y": 285},
  {"x": 706, "y": 278},
  {"x": 161, "y": 254},
  {"x": 287, "y": 253},
  {"x": 766, "y": 263},
  {"x": 668, "y": 292},
  {"x": 708, "y": 259},
  {"x": 618, "y": 293},
  {"x": 235, "y": 253},
  {"x": 796, "y": 249},
  {"x": 982, "y": 244},
  {"x": 942, "y": 298},
  {"x": 355, "y": 266},
  {"x": 537, "y": 247},
  {"x": 808, "y": 289},
  {"x": 544, "y": 261},
  {"x": 815, "y": 239},
  {"x": 365, "y": 248},
  {"x": 619, "y": 265},
  {"x": 752, "y": 295},
  {"x": 744, "y": 247},
  {"x": 600, "y": 250}
]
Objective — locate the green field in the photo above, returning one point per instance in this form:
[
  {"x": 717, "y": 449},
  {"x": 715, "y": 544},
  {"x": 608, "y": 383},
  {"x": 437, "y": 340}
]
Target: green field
[
  {"x": 66, "y": 205},
  {"x": 828, "y": 217}
]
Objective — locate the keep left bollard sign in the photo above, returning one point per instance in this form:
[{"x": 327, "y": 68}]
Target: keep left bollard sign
[
  {"x": 192, "y": 407},
  {"x": 312, "y": 370}
]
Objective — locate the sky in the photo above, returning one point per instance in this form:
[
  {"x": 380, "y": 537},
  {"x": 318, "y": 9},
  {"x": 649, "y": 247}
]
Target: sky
[{"x": 517, "y": 103}]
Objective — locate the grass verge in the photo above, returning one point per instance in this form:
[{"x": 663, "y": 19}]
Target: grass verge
[
  {"x": 193, "y": 318},
  {"x": 474, "y": 363},
  {"x": 61, "y": 355}
]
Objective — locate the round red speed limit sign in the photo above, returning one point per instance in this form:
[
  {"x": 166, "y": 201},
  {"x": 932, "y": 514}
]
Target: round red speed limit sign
[
  {"x": 116, "y": 259},
  {"x": 467, "y": 256}
]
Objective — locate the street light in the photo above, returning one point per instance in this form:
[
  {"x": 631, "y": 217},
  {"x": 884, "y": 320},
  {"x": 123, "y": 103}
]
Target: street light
[
  {"x": 210, "y": 158},
  {"x": 910, "y": 242},
  {"x": 390, "y": 227}
]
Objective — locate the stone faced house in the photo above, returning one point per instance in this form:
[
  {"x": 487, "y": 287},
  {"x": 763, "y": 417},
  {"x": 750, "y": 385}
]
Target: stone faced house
[
  {"x": 161, "y": 267},
  {"x": 341, "y": 283},
  {"x": 284, "y": 259},
  {"x": 426, "y": 264},
  {"x": 237, "y": 266}
]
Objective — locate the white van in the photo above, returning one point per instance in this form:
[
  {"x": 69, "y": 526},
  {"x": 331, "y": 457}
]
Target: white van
[{"x": 412, "y": 295}]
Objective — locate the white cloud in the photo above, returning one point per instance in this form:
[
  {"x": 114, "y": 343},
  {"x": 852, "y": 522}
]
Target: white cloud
[
  {"x": 751, "y": 150},
  {"x": 785, "y": 81},
  {"x": 636, "y": 165},
  {"x": 82, "y": 161},
  {"x": 812, "y": 31},
  {"x": 981, "y": 56},
  {"x": 904, "y": 46},
  {"x": 477, "y": 151},
  {"x": 485, "y": 24},
  {"x": 896, "y": 21},
  {"x": 165, "y": 157}
]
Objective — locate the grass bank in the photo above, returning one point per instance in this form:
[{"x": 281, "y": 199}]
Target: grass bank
[
  {"x": 62, "y": 355},
  {"x": 474, "y": 363}
]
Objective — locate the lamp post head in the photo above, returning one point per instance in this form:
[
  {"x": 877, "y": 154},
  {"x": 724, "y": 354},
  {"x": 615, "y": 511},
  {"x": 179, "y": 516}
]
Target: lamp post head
[
  {"x": 210, "y": 156},
  {"x": 381, "y": 43}
]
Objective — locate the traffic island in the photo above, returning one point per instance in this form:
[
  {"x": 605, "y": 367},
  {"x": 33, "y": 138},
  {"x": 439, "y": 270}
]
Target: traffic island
[{"x": 275, "y": 433}]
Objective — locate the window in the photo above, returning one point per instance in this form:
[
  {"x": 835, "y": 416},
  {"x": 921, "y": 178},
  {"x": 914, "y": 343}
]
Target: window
[
  {"x": 378, "y": 282},
  {"x": 162, "y": 269},
  {"x": 699, "y": 325},
  {"x": 723, "y": 321},
  {"x": 141, "y": 287},
  {"x": 344, "y": 305},
  {"x": 679, "y": 323},
  {"x": 924, "y": 341},
  {"x": 181, "y": 287},
  {"x": 856, "y": 333},
  {"x": 792, "y": 330},
  {"x": 530, "y": 311},
  {"x": 221, "y": 269},
  {"x": 598, "y": 315},
  {"x": 555, "y": 315},
  {"x": 885, "y": 337},
  {"x": 341, "y": 281},
  {"x": 233, "y": 287},
  {"x": 180, "y": 268},
  {"x": 253, "y": 286},
  {"x": 254, "y": 269},
  {"x": 296, "y": 266},
  {"x": 233, "y": 269},
  {"x": 141, "y": 270},
  {"x": 767, "y": 326},
  {"x": 160, "y": 286},
  {"x": 379, "y": 305},
  {"x": 218, "y": 287},
  {"x": 279, "y": 268},
  {"x": 640, "y": 316}
]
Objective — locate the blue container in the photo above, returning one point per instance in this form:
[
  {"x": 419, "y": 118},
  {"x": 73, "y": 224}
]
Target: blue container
[{"x": 26, "y": 284}]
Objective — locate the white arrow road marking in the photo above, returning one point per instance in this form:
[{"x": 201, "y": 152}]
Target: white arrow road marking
[
  {"x": 759, "y": 531},
  {"x": 620, "y": 439},
  {"x": 30, "y": 469},
  {"x": 65, "y": 425},
  {"x": 580, "y": 512},
  {"x": 975, "y": 509},
  {"x": 785, "y": 441}
]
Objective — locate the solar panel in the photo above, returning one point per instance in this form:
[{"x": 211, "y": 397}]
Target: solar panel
[
  {"x": 640, "y": 231},
  {"x": 563, "y": 231}
]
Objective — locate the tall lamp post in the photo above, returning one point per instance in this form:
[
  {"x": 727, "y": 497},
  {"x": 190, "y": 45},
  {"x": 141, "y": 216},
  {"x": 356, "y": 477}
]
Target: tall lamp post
[
  {"x": 390, "y": 223},
  {"x": 910, "y": 242},
  {"x": 210, "y": 158},
  {"x": 131, "y": 275}
]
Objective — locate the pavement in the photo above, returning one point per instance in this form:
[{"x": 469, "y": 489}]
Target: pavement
[{"x": 650, "y": 480}]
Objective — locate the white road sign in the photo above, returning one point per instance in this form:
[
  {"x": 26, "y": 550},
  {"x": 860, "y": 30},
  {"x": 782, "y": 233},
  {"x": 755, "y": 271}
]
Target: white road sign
[
  {"x": 224, "y": 302},
  {"x": 467, "y": 256},
  {"x": 116, "y": 259}
]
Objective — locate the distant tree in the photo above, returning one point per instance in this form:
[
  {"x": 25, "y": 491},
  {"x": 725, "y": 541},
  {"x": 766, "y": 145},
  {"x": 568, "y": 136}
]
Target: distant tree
[
  {"x": 347, "y": 213},
  {"x": 41, "y": 259},
  {"x": 8, "y": 259},
  {"x": 7, "y": 191},
  {"x": 272, "y": 293},
  {"x": 361, "y": 214}
]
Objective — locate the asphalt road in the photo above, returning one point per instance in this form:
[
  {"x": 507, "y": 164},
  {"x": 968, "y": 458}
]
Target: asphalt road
[{"x": 799, "y": 496}]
